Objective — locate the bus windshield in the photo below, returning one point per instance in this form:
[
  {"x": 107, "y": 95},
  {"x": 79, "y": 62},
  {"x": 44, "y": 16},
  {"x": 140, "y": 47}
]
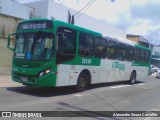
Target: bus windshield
[{"x": 34, "y": 46}]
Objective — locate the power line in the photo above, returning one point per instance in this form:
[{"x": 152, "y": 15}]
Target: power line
[
  {"x": 86, "y": 8},
  {"x": 83, "y": 7}
]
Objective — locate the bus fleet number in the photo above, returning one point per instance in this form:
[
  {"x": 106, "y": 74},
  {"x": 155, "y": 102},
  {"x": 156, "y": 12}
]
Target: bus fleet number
[{"x": 86, "y": 61}]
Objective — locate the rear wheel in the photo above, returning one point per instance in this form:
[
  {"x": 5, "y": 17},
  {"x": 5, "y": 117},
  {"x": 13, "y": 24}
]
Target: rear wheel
[
  {"x": 83, "y": 81},
  {"x": 132, "y": 78}
]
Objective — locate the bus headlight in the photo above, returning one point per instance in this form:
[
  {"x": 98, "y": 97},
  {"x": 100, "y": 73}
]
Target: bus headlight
[
  {"x": 42, "y": 73},
  {"x": 47, "y": 71}
]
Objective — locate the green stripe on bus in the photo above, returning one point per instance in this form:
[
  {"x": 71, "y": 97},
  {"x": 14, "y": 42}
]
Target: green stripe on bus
[
  {"x": 89, "y": 61},
  {"x": 142, "y": 64}
]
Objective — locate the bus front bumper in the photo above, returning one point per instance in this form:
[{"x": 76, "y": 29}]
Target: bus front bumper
[{"x": 47, "y": 80}]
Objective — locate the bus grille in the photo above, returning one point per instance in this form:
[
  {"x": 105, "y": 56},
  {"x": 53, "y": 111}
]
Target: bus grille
[
  {"x": 26, "y": 65},
  {"x": 30, "y": 78}
]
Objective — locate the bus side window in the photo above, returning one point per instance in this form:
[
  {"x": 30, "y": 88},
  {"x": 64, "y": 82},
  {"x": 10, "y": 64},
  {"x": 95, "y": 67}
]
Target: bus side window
[
  {"x": 66, "y": 43},
  {"x": 136, "y": 54},
  {"x": 86, "y": 45},
  {"x": 112, "y": 49},
  {"x": 129, "y": 53},
  {"x": 100, "y": 48},
  {"x": 121, "y": 53},
  {"x": 142, "y": 55}
]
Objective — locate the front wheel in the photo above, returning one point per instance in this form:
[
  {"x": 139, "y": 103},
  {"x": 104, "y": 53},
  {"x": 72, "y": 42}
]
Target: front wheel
[
  {"x": 132, "y": 78},
  {"x": 83, "y": 81}
]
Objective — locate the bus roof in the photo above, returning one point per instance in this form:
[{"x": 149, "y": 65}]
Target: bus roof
[
  {"x": 60, "y": 23},
  {"x": 142, "y": 47},
  {"x": 35, "y": 19}
]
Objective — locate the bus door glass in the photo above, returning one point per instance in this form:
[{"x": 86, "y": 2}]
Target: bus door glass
[{"x": 66, "y": 44}]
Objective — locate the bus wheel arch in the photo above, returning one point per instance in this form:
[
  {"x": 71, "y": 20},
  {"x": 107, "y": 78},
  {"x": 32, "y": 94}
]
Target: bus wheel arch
[
  {"x": 84, "y": 79},
  {"x": 133, "y": 77}
]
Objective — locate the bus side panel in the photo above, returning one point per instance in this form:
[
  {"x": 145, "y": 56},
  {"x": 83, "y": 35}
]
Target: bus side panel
[
  {"x": 128, "y": 70},
  {"x": 142, "y": 73},
  {"x": 141, "y": 70},
  {"x": 107, "y": 72},
  {"x": 68, "y": 74},
  {"x": 62, "y": 75},
  {"x": 121, "y": 68}
]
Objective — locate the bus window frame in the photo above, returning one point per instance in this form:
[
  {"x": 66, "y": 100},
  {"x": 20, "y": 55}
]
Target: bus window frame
[
  {"x": 108, "y": 41},
  {"x": 142, "y": 52},
  {"x": 135, "y": 59},
  {"x": 80, "y": 52},
  {"x": 66, "y": 57},
  {"x": 130, "y": 48},
  {"x": 118, "y": 51},
  {"x": 104, "y": 39}
]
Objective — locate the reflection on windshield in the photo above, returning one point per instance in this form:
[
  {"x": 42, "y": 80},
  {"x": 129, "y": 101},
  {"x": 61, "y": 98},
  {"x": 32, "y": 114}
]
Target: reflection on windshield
[{"x": 34, "y": 46}]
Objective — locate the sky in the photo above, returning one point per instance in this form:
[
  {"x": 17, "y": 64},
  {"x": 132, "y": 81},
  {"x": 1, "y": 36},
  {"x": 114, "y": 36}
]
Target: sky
[{"x": 138, "y": 17}]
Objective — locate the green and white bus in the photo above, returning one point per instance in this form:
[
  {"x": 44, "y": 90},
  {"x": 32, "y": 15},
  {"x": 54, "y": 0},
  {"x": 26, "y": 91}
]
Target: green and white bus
[{"x": 54, "y": 53}]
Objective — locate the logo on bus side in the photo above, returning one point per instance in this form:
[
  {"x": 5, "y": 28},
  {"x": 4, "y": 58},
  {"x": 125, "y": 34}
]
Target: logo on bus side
[{"x": 118, "y": 65}]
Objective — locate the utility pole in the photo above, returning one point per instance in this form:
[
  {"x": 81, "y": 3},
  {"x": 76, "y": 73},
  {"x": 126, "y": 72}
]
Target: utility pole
[{"x": 70, "y": 18}]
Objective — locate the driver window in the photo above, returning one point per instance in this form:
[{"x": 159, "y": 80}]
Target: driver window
[{"x": 66, "y": 42}]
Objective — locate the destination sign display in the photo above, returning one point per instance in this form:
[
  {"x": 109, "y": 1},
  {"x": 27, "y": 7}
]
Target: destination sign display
[{"x": 35, "y": 25}]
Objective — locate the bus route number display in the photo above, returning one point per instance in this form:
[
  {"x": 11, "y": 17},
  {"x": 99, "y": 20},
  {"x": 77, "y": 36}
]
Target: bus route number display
[{"x": 34, "y": 25}]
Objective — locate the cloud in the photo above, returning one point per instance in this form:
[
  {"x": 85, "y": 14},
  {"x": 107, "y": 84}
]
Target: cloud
[
  {"x": 148, "y": 11},
  {"x": 142, "y": 18},
  {"x": 154, "y": 36}
]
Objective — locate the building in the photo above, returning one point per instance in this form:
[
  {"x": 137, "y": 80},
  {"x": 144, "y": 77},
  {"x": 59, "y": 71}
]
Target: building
[
  {"x": 58, "y": 11},
  {"x": 9, "y": 18},
  {"x": 139, "y": 40}
]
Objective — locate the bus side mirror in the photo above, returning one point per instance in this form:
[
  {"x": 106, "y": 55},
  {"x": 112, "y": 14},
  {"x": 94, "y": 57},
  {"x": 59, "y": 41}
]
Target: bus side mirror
[{"x": 9, "y": 39}]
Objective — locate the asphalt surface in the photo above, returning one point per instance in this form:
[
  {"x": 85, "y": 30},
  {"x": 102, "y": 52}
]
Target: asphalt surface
[{"x": 119, "y": 96}]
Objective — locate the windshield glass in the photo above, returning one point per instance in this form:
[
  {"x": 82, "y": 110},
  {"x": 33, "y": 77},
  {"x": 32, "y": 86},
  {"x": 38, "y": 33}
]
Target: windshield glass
[{"x": 34, "y": 46}]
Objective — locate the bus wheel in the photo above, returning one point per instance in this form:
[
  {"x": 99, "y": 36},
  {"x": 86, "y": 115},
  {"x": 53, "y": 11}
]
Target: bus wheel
[
  {"x": 83, "y": 81},
  {"x": 132, "y": 78}
]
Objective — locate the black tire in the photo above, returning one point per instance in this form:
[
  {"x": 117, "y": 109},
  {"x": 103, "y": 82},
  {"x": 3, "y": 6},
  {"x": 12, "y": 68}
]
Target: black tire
[
  {"x": 83, "y": 81},
  {"x": 132, "y": 78}
]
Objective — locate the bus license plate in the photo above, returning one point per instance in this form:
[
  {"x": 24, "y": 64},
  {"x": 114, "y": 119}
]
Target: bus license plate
[{"x": 23, "y": 79}]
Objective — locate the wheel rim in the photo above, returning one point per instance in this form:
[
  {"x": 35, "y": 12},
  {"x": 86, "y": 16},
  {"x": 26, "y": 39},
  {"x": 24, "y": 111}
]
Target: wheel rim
[
  {"x": 133, "y": 79},
  {"x": 83, "y": 81}
]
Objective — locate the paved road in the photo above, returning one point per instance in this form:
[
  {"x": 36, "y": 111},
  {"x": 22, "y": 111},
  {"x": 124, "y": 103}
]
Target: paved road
[{"x": 143, "y": 96}]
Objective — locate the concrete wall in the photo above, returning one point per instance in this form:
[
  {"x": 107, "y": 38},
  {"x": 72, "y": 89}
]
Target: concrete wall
[
  {"x": 7, "y": 25},
  {"x": 11, "y": 13},
  {"x": 41, "y": 8},
  {"x": 5, "y": 57},
  {"x": 12, "y": 8}
]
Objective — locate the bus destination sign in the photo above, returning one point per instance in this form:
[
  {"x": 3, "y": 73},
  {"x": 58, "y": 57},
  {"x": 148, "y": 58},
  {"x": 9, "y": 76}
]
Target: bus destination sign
[{"x": 35, "y": 25}]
